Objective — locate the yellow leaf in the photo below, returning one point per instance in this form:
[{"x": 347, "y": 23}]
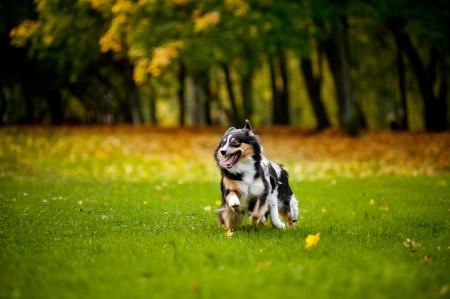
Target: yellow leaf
[
  {"x": 205, "y": 21},
  {"x": 312, "y": 240},
  {"x": 23, "y": 32},
  {"x": 229, "y": 233},
  {"x": 207, "y": 208}
]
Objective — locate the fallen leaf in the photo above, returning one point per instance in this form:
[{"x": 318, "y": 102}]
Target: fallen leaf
[
  {"x": 45, "y": 201},
  {"x": 80, "y": 202},
  {"x": 229, "y": 233},
  {"x": 312, "y": 240},
  {"x": 207, "y": 208},
  {"x": 426, "y": 258},
  {"x": 104, "y": 217}
]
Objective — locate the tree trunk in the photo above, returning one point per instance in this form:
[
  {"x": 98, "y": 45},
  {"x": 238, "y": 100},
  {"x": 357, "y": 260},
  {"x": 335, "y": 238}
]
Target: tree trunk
[
  {"x": 284, "y": 96},
  {"x": 276, "y": 109},
  {"x": 54, "y": 102},
  {"x": 435, "y": 119},
  {"x": 152, "y": 103},
  {"x": 129, "y": 101},
  {"x": 313, "y": 86},
  {"x": 337, "y": 50},
  {"x": 207, "y": 97},
  {"x": 196, "y": 110},
  {"x": 402, "y": 89},
  {"x": 235, "y": 113},
  {"x": 3, "y": 104},
  {"x": 247, "y": 94},
  {"x": 280, "y": 88},
  {"x": 181, "y": 97},
  {"x": 443, "y": 92}
]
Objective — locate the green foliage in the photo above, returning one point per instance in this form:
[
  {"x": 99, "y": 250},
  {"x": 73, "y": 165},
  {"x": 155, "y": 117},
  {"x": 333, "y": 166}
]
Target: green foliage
[{"x": 78, "y": 48}]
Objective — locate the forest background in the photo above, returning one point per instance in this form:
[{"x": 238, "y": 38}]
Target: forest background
[{"x": 351, "y": 64}]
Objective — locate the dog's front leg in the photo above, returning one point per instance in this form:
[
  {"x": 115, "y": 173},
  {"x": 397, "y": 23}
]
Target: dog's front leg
[
  {"x": 229, "y": 215},
  {"x": 232, "y": 200},
  {"x": 257, "y": 216}
]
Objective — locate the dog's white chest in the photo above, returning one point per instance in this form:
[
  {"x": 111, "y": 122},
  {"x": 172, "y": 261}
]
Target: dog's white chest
[{"x": 249, "y": 187}]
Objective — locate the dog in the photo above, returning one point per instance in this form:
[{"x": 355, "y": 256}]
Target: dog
[{"x": 251, "y": 185}]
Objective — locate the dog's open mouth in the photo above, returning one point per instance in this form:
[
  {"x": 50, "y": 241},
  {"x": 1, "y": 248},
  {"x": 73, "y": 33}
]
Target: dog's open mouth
[{"x": 230, "y": 160}]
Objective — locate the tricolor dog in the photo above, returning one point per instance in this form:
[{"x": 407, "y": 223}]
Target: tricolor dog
[{"x": 251, "y": 185}]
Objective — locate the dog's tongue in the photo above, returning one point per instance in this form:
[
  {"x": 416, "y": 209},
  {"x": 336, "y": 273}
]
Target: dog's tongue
[{"x": 228, "y": 161}]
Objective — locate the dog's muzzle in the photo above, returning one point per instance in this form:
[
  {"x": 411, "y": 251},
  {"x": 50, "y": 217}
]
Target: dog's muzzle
[{"x": 230, "y": 160}]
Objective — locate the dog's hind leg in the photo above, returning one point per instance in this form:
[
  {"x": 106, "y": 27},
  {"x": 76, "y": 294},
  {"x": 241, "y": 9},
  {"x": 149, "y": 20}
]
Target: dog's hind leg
[
  {"x": 273, "y": 210},
  {"x": 260, "y": 209},
  {"x": 289, "y": 211}
]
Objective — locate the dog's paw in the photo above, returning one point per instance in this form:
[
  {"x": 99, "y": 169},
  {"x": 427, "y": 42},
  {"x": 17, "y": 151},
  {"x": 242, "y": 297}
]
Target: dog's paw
[
  {"x": 291, "y": 223},
  {"x": 280, "y": 225},
  {"x": 262, "y": 223},
  {"x": 233, "y": 202}
]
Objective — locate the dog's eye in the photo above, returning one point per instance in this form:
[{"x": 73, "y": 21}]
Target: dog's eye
[{"x": 235, "y": 143}]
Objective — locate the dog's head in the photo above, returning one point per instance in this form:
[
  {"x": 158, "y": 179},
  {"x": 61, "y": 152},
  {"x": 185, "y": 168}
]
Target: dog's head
[{"x": 237, "y": 145}]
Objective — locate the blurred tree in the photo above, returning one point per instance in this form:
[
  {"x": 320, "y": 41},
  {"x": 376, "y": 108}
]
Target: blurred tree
[
  {"x": 428, "y": 23},
  {"x": 121, "y": 60},
  {"x": 17, "y": 67},
  {"x": 338, "y": 54},
  {"x": 313, "y": 85}
]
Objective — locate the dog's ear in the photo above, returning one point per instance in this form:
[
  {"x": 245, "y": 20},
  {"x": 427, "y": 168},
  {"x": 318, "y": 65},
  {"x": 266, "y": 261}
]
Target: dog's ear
[
  {"x": 230, "y": 129},
  {"x": 247, "y": 125}
]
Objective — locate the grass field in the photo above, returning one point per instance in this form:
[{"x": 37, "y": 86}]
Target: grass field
[{"x": 130, "y": 212}]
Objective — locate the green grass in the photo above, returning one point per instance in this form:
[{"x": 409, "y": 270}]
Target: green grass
[
  {"x": 62, "y": 236},
  {"x": 148, "y": 247}
]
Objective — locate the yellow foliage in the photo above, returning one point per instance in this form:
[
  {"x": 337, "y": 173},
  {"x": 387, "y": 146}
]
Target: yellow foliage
[
  {"x": 95, "y": 4},
  {"x": 238, "y": 7},
  {"x": 121, "y": 19},
  {"x": 140, "y": 71},
  {"x": 123, "y": 6},
  {"x": 48, "y": 40},
  {"x": 20, "y": 34},
  {"x": 312, "y": 240},
  {"x": 205, "y": 21},
  {"x": 180, "y": 2},
  {"x": 162, "y": 56},
  {"x": 111, "y": 41}
]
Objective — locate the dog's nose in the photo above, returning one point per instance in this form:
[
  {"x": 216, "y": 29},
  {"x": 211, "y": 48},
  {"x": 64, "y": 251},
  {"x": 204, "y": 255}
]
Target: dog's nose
[{"x": 223, "y": 152}]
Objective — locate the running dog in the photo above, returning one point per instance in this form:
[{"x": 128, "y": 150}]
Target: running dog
[{"x": 251, "y": 185}]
